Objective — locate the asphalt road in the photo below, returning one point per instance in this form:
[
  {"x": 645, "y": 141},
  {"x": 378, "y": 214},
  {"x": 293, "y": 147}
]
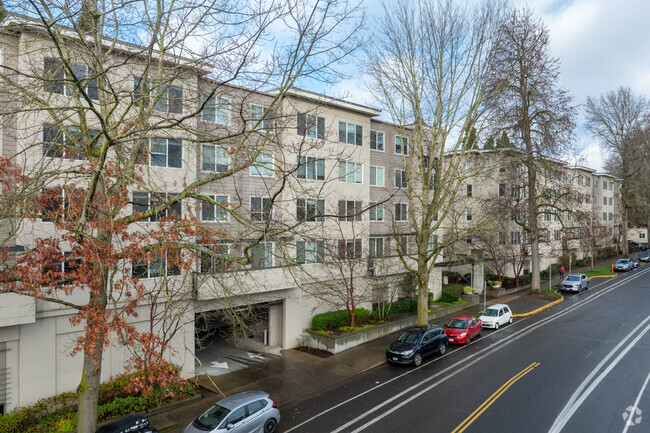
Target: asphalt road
[{"x": 580, "y": 366}]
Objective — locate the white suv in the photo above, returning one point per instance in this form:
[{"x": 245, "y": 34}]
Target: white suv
[{"x": 496, "y": 315}]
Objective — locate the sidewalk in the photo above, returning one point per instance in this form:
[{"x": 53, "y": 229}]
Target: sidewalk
[{"x": 295, "y": 375}]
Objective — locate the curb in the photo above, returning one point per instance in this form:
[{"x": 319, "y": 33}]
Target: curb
[
  {"x": 530, "y": 313},
  {"x": 604, "y": 276}
]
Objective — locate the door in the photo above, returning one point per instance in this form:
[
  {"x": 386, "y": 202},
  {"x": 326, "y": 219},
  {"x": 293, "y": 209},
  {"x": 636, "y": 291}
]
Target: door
[
  {"x": 256, "y": 418},
  {"x": 473, "y": 327},
  {"x": 501, "y": 319},
  {"x": 429, "y": 342},
  {"x": 238, "y": 421}
]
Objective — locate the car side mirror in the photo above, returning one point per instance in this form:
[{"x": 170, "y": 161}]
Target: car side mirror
[{"x": 230, "y": 426}]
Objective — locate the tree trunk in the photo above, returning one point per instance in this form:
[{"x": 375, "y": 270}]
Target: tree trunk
[
  {"x": 626, "y": 251},
  {"x": 423, "y": 291}
]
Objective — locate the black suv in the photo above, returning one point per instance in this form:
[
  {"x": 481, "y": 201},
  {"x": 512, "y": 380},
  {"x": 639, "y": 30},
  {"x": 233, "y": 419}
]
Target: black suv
[
  {"x": 416, "y": 343},
  {"x": 131, "y": 423}
]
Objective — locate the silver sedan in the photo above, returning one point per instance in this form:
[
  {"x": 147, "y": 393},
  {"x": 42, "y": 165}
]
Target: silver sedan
[{"x": 575, "y": 283}]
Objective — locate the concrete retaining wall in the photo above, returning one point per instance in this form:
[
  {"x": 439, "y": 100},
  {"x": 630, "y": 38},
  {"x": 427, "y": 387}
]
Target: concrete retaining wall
[{"x": 339, "y": 343}]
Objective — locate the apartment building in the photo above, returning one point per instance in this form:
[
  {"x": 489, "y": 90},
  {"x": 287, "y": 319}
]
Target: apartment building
[{"x": 310, "y": 188}]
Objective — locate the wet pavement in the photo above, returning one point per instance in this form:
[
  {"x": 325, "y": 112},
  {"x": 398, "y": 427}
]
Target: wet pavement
[{"x": 292, "y": 374}]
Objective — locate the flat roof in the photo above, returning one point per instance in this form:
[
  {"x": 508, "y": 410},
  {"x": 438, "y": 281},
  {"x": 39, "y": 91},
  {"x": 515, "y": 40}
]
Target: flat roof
[{"x": 328, "y": 100}]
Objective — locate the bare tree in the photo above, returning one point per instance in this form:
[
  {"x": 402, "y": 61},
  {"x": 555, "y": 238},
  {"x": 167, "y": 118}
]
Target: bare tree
[
  {"x": 101, "y": 98},
  {"x": 528, "y": 103},
  {"x": 428, "y": 69}
]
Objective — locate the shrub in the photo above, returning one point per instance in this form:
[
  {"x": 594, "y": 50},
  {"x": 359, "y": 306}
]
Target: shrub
[
  {"x": 451, "y": 293},
  {"x": 579, "y": 262},
  {"x": 508, "y": 282},
  {"x": 336, "y": 319},
  {"x": 525, "y": 279}
]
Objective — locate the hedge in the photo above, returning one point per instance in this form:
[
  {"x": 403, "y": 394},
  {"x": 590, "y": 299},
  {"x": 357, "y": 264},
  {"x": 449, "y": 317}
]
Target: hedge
[
  {"x": 451, "y": 293},
  {"x": 337, "y": 319}
]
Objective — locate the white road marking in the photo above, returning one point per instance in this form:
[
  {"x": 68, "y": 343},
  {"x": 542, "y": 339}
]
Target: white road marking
[
  {"x": 490, "y": 349},
  {"x": 581, "y": 394},
  {"x": 629, "y": 421}
]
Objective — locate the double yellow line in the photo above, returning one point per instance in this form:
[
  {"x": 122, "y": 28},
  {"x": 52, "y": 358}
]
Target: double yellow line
[{"x": 487, "y": 403}]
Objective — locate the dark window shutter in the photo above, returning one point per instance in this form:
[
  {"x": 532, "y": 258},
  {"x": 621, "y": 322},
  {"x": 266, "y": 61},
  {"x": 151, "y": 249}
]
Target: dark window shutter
[
  {"x": 342, "y": 132},
  {"x": 321, "y": 127},
  {"x": 359, "y": 135},
  {"x": 301, "y": 124}
]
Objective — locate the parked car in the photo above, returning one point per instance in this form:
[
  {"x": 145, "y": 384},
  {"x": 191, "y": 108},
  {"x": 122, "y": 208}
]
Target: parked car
[
  {"x": 645, "y": 256},
  {"x": 643, "y": 246},
  {"x": 635, "y": 262},
  {"x": 495, "y": 316},
  {"x": 575, "y": 283},
  {"x": 248, "y": 412},
  {"x": 462, "y": 329},
  {"x": 416, "y": 343},
  {"x": 623, "y": 265},
  {"x": 132, "y": 423}
]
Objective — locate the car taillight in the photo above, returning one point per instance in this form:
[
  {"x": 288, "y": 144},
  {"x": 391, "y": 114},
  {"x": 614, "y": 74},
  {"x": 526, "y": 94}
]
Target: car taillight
[{"x": 275, "y": 406}]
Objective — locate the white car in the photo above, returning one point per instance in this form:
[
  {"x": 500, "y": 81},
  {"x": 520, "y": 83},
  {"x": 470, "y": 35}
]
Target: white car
[{"x": 496, "y": 315}]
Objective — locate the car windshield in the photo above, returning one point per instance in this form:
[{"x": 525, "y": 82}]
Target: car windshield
[
  {"x": 621, "y": 262},
  {"x": 408, "y": 337},
  {"x": 573, "y": 278},
  {"x": 457, "y": 324},
  {"x": 490, "y": 312},
  {"x": 212, "y": 417}
]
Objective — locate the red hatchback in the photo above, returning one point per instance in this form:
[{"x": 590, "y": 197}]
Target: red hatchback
[{"x": 462, "y": 329}]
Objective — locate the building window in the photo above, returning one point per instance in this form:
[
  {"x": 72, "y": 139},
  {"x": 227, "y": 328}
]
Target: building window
[
  {"x": 311, "y": 126},
  {"x": 468, "y": 240},
  {"x": 557, "y": 235},
  {"x": 468, "y": 167},
  {"x": 587, "y": 181},
  {"x": 604, "y": 216},
  {"x": 310, "y": 252},
  {"x": 58, "y": 79},
  {"x": 641, "y": 235},
  {"x": 350, "y": 172},
  {"x": 350, "y": 133},
  {"x": 610, "y": 201},
  {"x": 400, "y": 178},
  {"x": 262, "y": 255},
  {"x": 65, "y": 142},
  {"x": 145, "y": 201},
  {"x": 401, "y": 145},
  {"x": 515, "y": 238},
  {"x": 376, "y": 246},
  {"x": 580, "y": 180},
  {"x": 611, "y": 216},
  {"x": 604, "y": 185},
  {"x": 310, "y": 209},
  {"x": 502, "y": 238},
  {"x": 433, "y": 243},
  {"x": 376, "y": 212},
  {"x": 587, "y": 198},
  {"x": 263, "y": 165},
  {"x": 502, "y": 190},
  {"x": 164, "y": 265},
  {"x": 169, "y": 99},
  {"x": 404, "y": 244},
  {"x": 217, "y": 262},
  {"x": 469, "y": 190},
  {"x": 350, "y": 210},
  {"x": 215, "y": 110},
  {"x": 543, "y": 235},
  {"x": 310, "y": 168},
  {"x": 162, "y": 152},
  {"x": 350, "y": 248},
  {"x": 376, "y": 176},
  {"x": 401, "y": 212},
  {"x": 377, "y": 140},
  {"x": 604, "y": 201},
  {"x": 611, "y": 186},
  {"x": 214, "y": 158},
  {"x": 260, "y": 208},
  {"x": 260, "y": 117},
  {"x": 468, "y": 214},
  {"x": 214, "y": 208}
]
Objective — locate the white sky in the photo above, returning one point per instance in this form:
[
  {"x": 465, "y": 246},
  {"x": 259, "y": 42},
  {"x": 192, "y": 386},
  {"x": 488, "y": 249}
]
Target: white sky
[{"x": 601, "y": 45}]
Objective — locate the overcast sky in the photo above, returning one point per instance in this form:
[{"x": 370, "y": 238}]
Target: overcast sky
[{"x": 601, "y": 45}]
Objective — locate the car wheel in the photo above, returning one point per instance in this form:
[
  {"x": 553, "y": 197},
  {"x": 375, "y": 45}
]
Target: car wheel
[
  {"x": 468, "y": 340},
  {"x": 510, "y": 320},
  {"x": 496, "y": 326},
  {"x": 417, "y": 359},
  {"x": 270, "y": 425},
  {"x": 442, "y": 349}
]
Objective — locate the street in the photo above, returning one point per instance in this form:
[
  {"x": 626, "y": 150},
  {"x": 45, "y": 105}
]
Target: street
[{"x": 581, "y": 366}]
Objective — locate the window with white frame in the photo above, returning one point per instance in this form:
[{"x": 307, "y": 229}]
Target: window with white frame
[
  {"x": 350, "y": 172},
  {"x": 263, "y": 165},
  {"x": 604, "y": 201},
  {"x": 376, "y": 246},
  {"x": 310, "y": 252},
  {"x": 604, "y": 185},
  {"x": 611, "y": 216},
  {"x": 350, "y": 248},
  {"x": 548, "y": 214},
  {"x": 145, "y": 201},
  {"x": 217, "y": 261},
  {"x": 400, "y": 178},
  {"x": 216, "y": 110},
  {"x": 502, "y": 190},
  {"x": 468, "y": 214},
  {"x": 350, "y": 133},
  {"x": 56, "y": 208},
  {"x": 350, "y": 210},
  {"x": 261, "y": 117},
  {"x": 65, "y": 142},
  {"x": 401, "y": 212},
  {"x": 469, "y": 190},
  {"x": 587, "y": 181},
  {"x": 308, "y": 209},
  {"x": 580, "y": 180},
  {"x": 61, "y": 80},
  {"x": 164, "y": 265},
  {"x": 376, "y": 140},
  {"x": 214, "y": 209},
  {"x": 376, "y": 212},
  {"x": 310, "y": 168},
  {"x": 515, "y": 238},
  {"x": 468, "y": 166},
  {"x": 401, "y": 145},
  {"x": 557, "y": 235},
  {"x": 262, "y": 255},
  {"x": 310, "y": 126},
  {"x": 404, "y": 244},
  {"x": 260, "y": 208},
  {"x": 641, "y": 235},
  {"x": 604, "y": 216},
  {"x": 214, "y": 158},
  {"x": 162, "y": 152},
  {"x": 587, "y": 198},
  {"x": 376, "y": 176},
  {"x": 433, "y": 243},
  {"x": 502, "y": 238},
  {"x": 168, "y": 98},
  {"x": 610, "y": 201}
]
